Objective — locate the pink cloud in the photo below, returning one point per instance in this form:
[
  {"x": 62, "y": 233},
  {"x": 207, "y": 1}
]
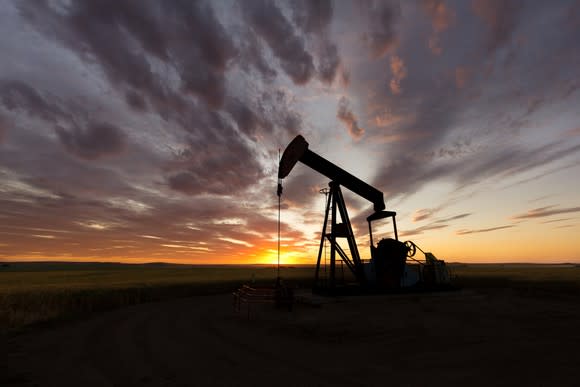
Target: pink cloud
[
  {"x": 399, "y": 71},
  {"x": 346, "y": 115},
  {"x": 442, "y": 17}
]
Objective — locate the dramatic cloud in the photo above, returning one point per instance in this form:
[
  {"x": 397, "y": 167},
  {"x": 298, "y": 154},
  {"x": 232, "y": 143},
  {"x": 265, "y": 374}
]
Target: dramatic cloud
[
  {"x": 97, "y": 140},
  {"x": 252, "y": 56},
  {"x": 271, "y": 25},
  {"x": 346, "y": 115},
  {"x": 118, "y": 35},
  {"x": 399, "y": 72},
  {"x": 18, "y": 97},
  {"x": 501, "y": 18},
  {"x": 545, "y": 211},
  {"x": 329, "y": 62},
  {"x": 313, "y": 16},
  {"x": 441, "y": 19},
  {"x": 382, "y": 37},
  {"x": 150, "y": 130},
  {"x": 225, "y": 168}
]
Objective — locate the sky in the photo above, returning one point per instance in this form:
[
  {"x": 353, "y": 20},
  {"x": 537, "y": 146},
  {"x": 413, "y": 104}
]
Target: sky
[{"x": 148, "y": 131}]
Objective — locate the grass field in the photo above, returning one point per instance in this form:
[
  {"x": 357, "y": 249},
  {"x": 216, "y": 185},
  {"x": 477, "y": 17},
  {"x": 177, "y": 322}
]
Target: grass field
[{"x": 36, "y": 292}]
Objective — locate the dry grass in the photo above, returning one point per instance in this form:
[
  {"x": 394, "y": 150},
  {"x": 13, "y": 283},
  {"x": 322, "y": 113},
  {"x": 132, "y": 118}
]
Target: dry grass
[{"x": 33, "y": 293}]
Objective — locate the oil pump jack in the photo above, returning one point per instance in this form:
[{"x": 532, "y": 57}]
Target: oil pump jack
[{"x": 387, "y": 269}]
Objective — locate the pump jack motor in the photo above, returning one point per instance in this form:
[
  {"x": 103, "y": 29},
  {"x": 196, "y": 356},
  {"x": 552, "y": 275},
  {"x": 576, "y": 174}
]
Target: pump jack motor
[{"x": 388, "y": 269}]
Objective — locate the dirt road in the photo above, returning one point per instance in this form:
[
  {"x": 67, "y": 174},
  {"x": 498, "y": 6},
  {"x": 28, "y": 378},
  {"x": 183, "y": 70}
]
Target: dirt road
[{"x": 462, "y": 338}]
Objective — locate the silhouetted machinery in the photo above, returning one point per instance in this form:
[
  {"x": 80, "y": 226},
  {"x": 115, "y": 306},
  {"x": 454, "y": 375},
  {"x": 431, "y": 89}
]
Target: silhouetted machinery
[{"x": 388, "y": 268}]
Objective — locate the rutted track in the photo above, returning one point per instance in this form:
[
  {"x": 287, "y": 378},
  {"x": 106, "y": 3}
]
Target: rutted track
[{"x": 468, "y": 338}]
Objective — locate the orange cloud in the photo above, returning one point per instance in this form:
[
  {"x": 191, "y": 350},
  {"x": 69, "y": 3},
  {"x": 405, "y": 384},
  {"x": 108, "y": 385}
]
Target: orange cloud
[
  {"x": 422, "y": 214},
  {"x": 399, "y": 71},
  {"x": 442, "y": 17},
  {"x": 346, "y": 115}
]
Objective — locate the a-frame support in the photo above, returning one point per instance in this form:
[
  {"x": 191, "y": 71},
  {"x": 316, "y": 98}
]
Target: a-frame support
[{"x": 335, "y": 207}]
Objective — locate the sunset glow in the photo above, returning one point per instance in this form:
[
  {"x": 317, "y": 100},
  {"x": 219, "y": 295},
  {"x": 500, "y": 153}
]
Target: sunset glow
[{"x": 151, "y": 132}]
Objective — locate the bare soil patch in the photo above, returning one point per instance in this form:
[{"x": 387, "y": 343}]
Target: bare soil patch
[{"x": 479, "y": 336}]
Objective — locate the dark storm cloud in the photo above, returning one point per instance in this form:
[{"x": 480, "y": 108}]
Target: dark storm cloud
[
  {"x": 348, "y": 118},
  {"x": 328, "y": 62},
  {"x": 543, "y": 212},
  {"x": 475, "y": 231},
  {"x": 167, "y": 63},
  {"x": 189, "y": 38},
  {"x": 314, "y": 18},
  {"x": 247, "y": 121},
  {"x": 101, "y": 33},
  {"x": 119, "y": 36},
  {"x": 501, "y": 17},
  {"x": 382, "y": 37},
  {"x": 3, "y": 128},
  {"x": 93, "y": 142},
  {"x": 123, "y": 37},
  {"x": 277, "y": 110},
  {"x": 49, "y": 176},
  {"x": 252, "y": 55},
  {"x": 198, "y": 21},
  {"x": 18, "y": 97},
  {"x": 201, "y": 69},
  {"x": 275, "y": 29},
  {"x": 189, "y": 106},
  {"x": 216, "y": 161},
  {"x": 135, "y": 101}
]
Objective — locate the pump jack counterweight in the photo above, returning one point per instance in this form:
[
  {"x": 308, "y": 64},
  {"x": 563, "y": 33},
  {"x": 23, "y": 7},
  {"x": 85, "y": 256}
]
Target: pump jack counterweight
[{"x": 387, "y": 269}]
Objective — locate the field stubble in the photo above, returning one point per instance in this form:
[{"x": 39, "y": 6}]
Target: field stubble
[{"x": 32, "y": 293}]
